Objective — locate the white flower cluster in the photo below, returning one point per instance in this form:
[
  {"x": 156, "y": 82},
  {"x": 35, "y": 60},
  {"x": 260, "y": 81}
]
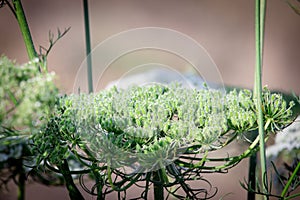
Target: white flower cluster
[
  {"x": 286, "y": 140},
  {"x": 153, "y": 125},
  {"x": 26, "y": 95},
  {"x": 241, "y": 110}
]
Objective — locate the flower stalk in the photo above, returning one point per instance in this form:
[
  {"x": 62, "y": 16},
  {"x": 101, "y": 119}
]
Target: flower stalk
[
  {"x": 21, "y": 18},
  {"x": 88, "y": 45},
  {"x": 260, "y": 6}
]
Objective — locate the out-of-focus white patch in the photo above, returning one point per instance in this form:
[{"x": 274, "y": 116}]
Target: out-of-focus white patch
[
  {"x": 288, "y": 139},
  {"x": 158, "y": 76}
]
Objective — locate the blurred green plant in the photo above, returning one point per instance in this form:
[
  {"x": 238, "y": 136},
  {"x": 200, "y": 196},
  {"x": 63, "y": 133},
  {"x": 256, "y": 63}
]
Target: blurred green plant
[
  {"x": 157, "y": 135},
  {"x": 284, "y": 158},
  {"x": 295, "y": 5},
  {"x": 27, "y": 97},
  {"x": 156, "y": 129}
]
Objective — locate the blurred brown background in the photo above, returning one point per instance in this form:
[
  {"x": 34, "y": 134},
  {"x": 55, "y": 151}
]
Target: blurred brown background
[{"x": 225, "y": 28}]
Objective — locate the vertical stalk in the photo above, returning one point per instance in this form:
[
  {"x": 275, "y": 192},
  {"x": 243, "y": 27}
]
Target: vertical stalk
[
  {"x": 260, "y": 12},
  {"x": 88, "y": 45},
  {"x": 22, "y": 180},
  {"x": 259, "y": 32},
  {"x": 24, "y": 29},
  {"x": 158, "y": 185},
  {"x": 263, "y": 5},
  {"x": 252, "y": 168}
]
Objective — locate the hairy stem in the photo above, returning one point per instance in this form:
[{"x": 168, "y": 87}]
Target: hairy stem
[
  {"x": 24, "y": 29},
  {"x": 259, "y": 32}
]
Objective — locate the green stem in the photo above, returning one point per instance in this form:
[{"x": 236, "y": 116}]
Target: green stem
[
  {"x": 88, "y": 45},
  {"x": 263, "y": 6},
  {"x": 180, "y": 180},
  {"x": 24, "y": 29},
  {"x": 252, "y": 169},
  {"x": 74, "y": 193},
  {"x": 285, "y": 189},
  {"x": 230, "y": 161},
  {"x": 22, "y": 179},
  {"x": 148, "y": 177},
  {"x": 252, "y": 176},
  {"x": 260, "y": 28},
  {"x": 158, "y": 185},
  {"x": 132, "y": 180},
  {"x": 98, "y": 180},
  {"x": 95, "y": 171},
  {"x": 292, "y": 196},
  {"x": 259, "y": 32}
]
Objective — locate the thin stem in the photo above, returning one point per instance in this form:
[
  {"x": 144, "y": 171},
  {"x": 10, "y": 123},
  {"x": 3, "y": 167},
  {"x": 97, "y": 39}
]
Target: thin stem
[
  {"x": 263, "y": 6},
  {"x": 88, "y": 45},
  {"x": 285, "y": 189},
  {"x": 11, "y": 8},
  {"x": 148, "y": 177},
  {"x": 230, "y": 161},
  {"x": 24, "y": 29},
  {"x": 94, "y": 170},
  {"x": 132, "y": 180},
  {"x": 259, "y": 24},
  {"x": 180, "y": 180},
  {"x": 98, "y": 180},
  {"x": 261, "y": 29},
  {"x": 292, "y": 196}
]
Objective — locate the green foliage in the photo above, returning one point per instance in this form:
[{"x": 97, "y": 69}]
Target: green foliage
[{"x": 44, "y": 52}]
